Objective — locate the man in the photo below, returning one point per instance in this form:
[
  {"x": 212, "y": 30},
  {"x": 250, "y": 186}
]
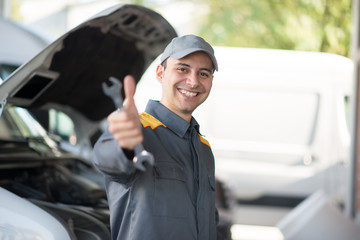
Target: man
[{"x": 174, "y": 199}]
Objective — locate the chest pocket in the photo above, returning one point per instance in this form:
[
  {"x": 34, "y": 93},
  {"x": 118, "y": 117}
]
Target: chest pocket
[{"x": 170, "y": 196}]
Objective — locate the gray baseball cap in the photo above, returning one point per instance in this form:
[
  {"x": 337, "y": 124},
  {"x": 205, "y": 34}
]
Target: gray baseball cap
[{"x": 182, "y": 46}]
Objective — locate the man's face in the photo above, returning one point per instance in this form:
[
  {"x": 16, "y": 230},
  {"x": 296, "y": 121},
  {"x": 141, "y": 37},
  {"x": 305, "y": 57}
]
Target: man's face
[{"x": 186, "y": 83}]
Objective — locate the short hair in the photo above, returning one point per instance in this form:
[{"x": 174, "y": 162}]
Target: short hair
[{"x": 164, "y": 63}]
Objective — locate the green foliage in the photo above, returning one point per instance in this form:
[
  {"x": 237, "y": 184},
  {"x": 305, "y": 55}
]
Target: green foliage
[
  {"x": 15, "y": 10},
  {"x": 310, "y": 25}
]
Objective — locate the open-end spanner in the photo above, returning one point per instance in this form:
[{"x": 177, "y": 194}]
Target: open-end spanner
[{"x": 141, "y": 155}]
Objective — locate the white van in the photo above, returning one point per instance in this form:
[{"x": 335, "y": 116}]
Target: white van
[{"x": 277, "y": 122}]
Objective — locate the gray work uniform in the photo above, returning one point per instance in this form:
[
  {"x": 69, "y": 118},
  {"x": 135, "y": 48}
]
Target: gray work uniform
[{"x": 175, "y": 199}]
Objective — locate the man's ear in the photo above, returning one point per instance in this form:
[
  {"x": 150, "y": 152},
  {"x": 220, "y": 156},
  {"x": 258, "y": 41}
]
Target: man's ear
[{"x": 159, "y": 72}]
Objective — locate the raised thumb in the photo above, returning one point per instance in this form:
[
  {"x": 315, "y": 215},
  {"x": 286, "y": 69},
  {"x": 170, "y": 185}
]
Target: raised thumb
[{"x": 129, "y": 89}]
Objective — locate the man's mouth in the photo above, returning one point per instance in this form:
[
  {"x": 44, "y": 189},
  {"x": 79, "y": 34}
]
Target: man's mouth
[{"x": 188, "y": 93}]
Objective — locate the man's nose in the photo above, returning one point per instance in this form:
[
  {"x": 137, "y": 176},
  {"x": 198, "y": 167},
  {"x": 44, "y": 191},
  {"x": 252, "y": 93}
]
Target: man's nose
[{"x": 193, "y": 80}]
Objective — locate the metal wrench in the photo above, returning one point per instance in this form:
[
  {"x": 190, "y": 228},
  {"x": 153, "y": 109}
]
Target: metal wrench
[{"x": 141, "y": 155}]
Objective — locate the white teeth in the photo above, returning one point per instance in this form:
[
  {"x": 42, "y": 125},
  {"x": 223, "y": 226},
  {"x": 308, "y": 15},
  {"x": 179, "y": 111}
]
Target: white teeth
[{"x": 188, "y": 94}]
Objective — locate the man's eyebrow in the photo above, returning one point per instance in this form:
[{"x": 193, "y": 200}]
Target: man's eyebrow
[
  {"x": 183, "y": 64},
  {"x": 208, "y": 70},
  {"x": 187, "y": 65}
]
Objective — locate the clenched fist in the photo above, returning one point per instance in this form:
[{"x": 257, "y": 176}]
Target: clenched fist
[{"x": 124, "y": 124}]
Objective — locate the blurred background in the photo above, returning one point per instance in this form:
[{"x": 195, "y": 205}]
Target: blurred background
[
  {"x": 321, "y": 25},
  {"x": 301, "y": 25}
]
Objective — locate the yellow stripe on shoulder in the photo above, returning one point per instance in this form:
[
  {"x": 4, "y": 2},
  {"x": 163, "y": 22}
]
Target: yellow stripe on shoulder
[
  {"x": 149, "y": 121},
  {"x": 204, "y": 141}
]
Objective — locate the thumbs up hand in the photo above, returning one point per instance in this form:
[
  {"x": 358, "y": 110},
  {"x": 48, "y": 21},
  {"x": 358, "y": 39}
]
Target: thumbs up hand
[{"x": 124, "y": 124}]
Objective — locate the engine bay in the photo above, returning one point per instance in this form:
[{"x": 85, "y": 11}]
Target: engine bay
[{"x": 66, "y": 189}]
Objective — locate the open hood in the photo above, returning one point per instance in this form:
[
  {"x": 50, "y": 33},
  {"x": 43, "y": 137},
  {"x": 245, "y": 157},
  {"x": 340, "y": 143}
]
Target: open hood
[{"x": 67, "y": 75}]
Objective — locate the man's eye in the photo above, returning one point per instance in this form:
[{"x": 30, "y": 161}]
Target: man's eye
[
  {"x": 204, "y": 74},
  {"x": 182, "y": 69}
]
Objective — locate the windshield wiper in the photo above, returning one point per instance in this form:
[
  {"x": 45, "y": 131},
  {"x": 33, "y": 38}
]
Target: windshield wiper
[{"x": 14, "y": 145}]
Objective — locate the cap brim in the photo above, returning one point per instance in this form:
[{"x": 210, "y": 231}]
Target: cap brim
[{"x": 181, "y": 54}]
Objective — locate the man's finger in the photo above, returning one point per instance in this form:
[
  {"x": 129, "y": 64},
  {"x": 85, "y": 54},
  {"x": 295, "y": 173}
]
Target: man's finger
[
  {"x": 129, "y": 87},
  {"x": 129, "y": 90}
]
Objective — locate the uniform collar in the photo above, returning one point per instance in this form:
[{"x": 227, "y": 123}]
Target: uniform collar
[{"x": 172, "y": 121}]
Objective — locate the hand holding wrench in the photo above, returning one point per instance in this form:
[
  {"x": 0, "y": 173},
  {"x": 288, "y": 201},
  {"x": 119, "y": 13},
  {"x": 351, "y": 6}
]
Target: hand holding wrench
[{"x": 141, "y": 155}]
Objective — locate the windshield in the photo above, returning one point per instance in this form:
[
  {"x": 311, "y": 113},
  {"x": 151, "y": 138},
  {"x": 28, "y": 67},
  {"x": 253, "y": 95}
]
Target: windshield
[
  {"x": 17, "y": 123},
  {"x": 6, "y": 70}
]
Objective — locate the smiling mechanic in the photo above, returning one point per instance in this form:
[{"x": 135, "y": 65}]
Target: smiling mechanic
[{"x": 174, "y": 199}]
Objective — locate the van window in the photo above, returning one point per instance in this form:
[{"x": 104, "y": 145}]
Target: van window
[
  {"x": 278, "y": 116},
  {"x": 61, "y": 125}
]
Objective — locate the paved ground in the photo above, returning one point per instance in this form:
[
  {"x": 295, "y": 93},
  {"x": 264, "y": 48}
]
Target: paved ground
[
  {"x": 252, "y": 232},
  {"x": 257, "y": 223}
]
